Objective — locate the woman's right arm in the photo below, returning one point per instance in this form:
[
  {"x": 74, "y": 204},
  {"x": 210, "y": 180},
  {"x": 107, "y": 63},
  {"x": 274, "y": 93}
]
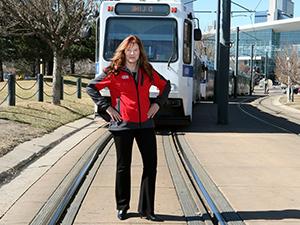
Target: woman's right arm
[
  {"x": 103, "y": 105},
  {"x": 95, "y": 86}
]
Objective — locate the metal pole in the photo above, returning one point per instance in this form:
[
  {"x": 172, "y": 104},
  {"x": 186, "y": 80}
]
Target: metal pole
[
  {"x": 1, "y": 71},
  {"x": 223, "y": 78},
  {"x": 62, "y": 88},
  {"x": 251, "y": 69},
  {"x": 40, "y": 78},
  {"x": 288, "y": 92},
  {"x": 79, "y": 87},
  {"x": 217, "y": 51},
  {"x": 266, "y": 75},
  {"x": 41, "y": 66},
  {"x": 11, "y": 90},
  {"x": 266, "y": 66},
  {"x": 236, "y": 72}
]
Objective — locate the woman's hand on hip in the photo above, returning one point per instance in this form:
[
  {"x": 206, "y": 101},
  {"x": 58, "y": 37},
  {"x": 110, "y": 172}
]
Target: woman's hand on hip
[
  {"x": 153, "y": 110},
  {"x": 114, "y": 114}
]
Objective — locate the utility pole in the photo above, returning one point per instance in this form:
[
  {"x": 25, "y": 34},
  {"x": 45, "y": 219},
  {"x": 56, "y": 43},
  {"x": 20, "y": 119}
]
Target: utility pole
[
  {"x": 251, "y": 69},
  {"x": 266, "y": 66},
  {"x": 217, "y": 51},
  {"x": 223, "y": 78},
  {"x": 236, "y": 72},
  {"x": 266, "y": 73}
]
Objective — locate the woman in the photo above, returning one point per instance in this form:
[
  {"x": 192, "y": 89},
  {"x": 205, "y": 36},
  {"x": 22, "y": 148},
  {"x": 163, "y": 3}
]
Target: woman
[{"x": 129, "y": 77}]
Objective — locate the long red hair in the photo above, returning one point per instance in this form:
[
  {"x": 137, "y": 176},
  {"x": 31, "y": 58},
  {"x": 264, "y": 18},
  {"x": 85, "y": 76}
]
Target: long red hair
[{"x": 118, "y": 60}]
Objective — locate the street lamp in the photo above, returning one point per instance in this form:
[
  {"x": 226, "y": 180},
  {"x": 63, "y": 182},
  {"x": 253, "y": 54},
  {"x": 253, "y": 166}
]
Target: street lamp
[
  {"x": 251, "y": 69},
  {"x": 288, "y": 90}
]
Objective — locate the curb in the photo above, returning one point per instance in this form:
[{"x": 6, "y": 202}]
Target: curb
[
  {"x": 13, "y": 162},
  {"x": 276, "y": 108},
  {"x": 277, "y": 103}
]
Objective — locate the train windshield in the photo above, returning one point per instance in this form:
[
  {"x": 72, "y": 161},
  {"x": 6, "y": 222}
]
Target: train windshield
[{"x": 159, "y": 36}]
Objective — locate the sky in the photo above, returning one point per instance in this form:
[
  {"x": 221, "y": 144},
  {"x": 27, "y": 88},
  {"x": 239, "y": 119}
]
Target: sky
[{"x": 237, "y": 19}]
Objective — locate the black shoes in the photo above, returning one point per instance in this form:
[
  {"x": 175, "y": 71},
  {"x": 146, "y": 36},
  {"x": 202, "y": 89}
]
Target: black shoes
[
  {"x": 151, "y": 217},
  {"x": 122, "y": 214}
]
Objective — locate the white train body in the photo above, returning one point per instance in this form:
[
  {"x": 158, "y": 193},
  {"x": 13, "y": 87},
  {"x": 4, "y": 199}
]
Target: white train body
[{"x": 166, "y": 29}]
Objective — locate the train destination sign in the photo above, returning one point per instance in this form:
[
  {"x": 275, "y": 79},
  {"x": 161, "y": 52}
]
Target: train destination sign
[{"x": 142, "y": 9}]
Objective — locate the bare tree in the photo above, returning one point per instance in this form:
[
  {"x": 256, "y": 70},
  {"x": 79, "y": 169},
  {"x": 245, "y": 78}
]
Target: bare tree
[
  {"x": 57, "y": 22},
  {"x": 287, "y": 68},
  {"x": 205, "y": 48}
]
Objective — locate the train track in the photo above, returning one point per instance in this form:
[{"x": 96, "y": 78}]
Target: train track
[
  {"x": 75, "y": 184},
  {"x": 271, "y": 116},
  {"x": 193, "y": 185},
  {"x": 203, "y": 196}
]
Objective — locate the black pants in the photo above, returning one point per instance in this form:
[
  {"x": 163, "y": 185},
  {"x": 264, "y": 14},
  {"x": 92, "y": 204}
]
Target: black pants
[{"x": 146, "y": 142}]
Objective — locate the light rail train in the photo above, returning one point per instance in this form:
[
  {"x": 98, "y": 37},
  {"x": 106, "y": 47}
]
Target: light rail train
[
  {"x": 207, "y": 84},
  {"x": 167, "y": 29}
]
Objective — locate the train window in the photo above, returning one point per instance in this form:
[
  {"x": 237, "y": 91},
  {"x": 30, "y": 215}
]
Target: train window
[
  {"x": 159, "y": 36},
  {"x": 187, "y": 42}
]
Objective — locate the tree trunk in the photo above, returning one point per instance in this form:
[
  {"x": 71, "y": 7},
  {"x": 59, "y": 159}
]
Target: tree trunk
[
  {"x": 50, "y": 67},
  {"x": 1, "y": 71},
  {"x": 57, "y": 70},
  {"x": 72, "y": 64},
  {"x": 33, "y": 68}
]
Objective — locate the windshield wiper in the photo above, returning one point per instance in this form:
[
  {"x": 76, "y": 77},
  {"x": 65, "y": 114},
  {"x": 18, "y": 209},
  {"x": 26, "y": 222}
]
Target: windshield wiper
[
  {"x": 173, "y": 47},
  {"x": 171, "y": 57}
]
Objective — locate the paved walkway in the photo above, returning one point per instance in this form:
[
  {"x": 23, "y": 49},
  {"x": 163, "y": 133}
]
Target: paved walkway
[{"x": 254, "y": 164}]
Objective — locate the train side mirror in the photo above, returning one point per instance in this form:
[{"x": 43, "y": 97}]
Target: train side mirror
[{"x": 197, "y": 34}]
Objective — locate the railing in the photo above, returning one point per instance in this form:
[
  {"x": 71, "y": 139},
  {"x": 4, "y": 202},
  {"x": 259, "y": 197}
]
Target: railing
[{"x": 40, "y": 83}]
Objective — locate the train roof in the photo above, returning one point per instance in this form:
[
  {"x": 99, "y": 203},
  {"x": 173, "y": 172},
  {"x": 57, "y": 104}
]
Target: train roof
[{"x": 148, "y": 1}]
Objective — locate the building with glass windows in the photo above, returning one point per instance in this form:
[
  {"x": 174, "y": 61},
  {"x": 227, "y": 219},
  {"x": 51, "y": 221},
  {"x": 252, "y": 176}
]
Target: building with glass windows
[
  {"x": 280, "y": 9},
  {"x": 267, "y": 39}
]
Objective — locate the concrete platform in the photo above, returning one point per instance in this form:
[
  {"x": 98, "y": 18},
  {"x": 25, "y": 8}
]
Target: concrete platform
[{"x": 255, "y": 165}]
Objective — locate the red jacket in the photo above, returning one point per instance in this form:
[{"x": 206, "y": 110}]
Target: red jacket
[{"x": 129, "y": 96}]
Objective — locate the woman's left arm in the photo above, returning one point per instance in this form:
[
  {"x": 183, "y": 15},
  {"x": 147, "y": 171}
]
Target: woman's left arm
[{"x": 164, "y": 88}]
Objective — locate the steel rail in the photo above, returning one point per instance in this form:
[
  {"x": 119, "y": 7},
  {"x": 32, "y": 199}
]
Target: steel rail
[
  {"x": 74, "y": 207},
  {"x": 199, "y": 183},
  {"x": 194, "y": 213},
  {"x": 56, "y": 205}
]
